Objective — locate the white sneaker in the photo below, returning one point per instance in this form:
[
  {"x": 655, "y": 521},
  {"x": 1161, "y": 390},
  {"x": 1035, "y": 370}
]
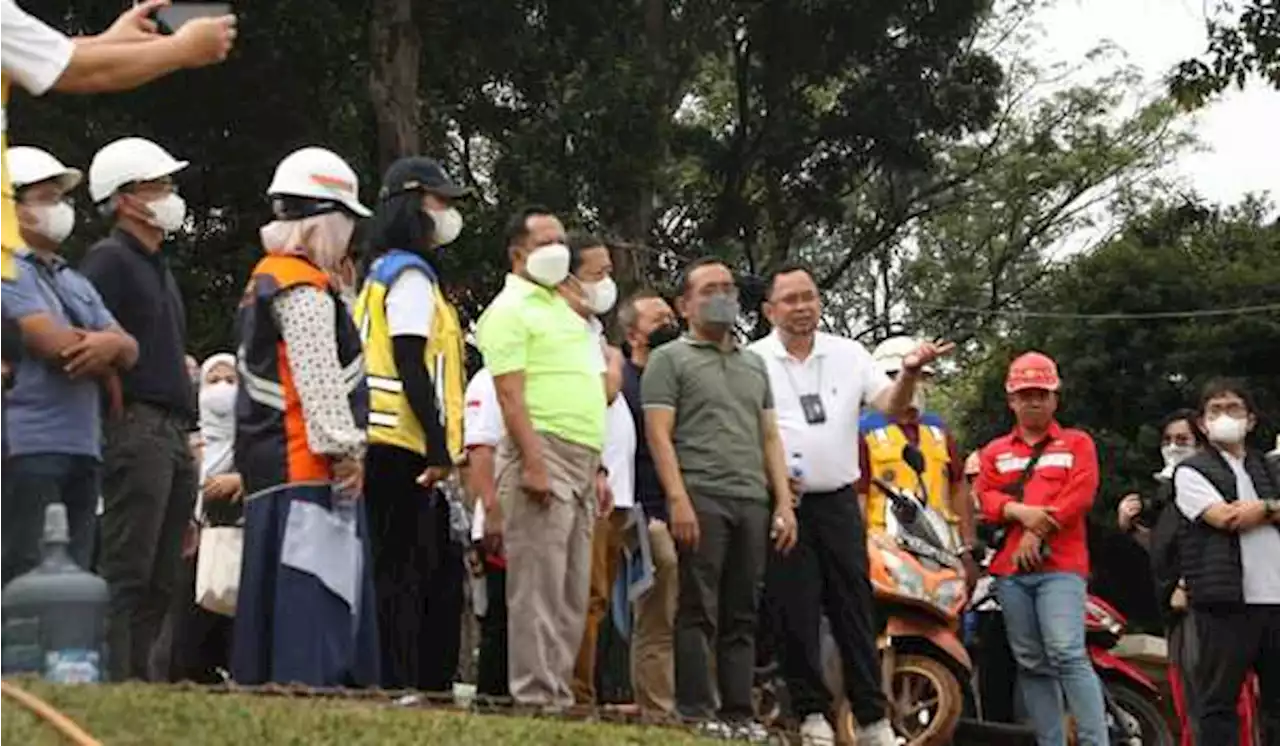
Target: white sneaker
[
  {"x": 816, "y": 731},
  {"x": 879, "y": 733}
]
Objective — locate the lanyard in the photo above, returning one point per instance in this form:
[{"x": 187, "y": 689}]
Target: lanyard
[{"x": 791, "y": 381}]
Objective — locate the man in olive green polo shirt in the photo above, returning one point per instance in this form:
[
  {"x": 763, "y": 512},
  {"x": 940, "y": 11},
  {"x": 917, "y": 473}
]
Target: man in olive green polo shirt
[
  {"x": 549, "y": 373},
  {"x": 712, "y": 431}
]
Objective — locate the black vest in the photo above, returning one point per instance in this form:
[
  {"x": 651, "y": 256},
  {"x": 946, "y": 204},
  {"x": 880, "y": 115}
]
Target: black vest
[{"x": 1210, "y": 557}]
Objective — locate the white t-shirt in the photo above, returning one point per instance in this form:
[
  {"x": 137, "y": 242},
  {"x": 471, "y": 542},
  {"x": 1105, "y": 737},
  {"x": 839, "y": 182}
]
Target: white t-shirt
[
  {"x": 482, "y": 425},
  {"x": 844, "y": 376},
  {"x": 1259, "y": 546},
  {"x": 411, "y": 305},
  {"x": 619, "y": 455},
  {"x": 33, "y": 55}
]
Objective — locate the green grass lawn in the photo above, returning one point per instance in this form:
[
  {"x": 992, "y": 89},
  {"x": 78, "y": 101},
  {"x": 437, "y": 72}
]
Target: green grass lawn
[{"x": 137, "y": 714}]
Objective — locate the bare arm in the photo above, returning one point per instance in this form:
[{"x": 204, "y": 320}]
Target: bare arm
[
  {"x": 515, "y": 415},
  {"x": 659, "y": 424},
  {"x": 480, "y": 475},
  {"x": 45, "y": 338},
  {"x": 894, "y": 400},
  {"x": 102, "y": 66},
  {"x": 775, "y": 460},
  {"x": 612, "y": 374},
  {"x": 128, "y": 347},
  {"x": 962, "y": 506}
]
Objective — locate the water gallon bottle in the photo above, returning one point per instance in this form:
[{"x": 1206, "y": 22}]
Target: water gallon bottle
[{"x": 55, "y": 615}]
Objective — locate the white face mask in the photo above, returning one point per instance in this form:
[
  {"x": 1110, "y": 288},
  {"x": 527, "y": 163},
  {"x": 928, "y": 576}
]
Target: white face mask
[
  {"x": 218, "y": 400},
  {"x": 54, "y": 222},
  {"x": 601, "y": 295},
  {"x": 548, "y": 265},
  {"x": 1226, "y": 429},
  {"x": 448, "y": 225},
  {"x": 1174, "y": 454},
  {"x": 168, "y": 213}
]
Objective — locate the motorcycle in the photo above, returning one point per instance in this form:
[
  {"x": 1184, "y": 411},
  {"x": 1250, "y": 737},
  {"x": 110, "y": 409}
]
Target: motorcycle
[
  {"x": 1134, "y": 708},
  {"x": 919, "y": 587}
]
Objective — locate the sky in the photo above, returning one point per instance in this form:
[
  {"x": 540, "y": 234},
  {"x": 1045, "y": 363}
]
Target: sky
[{"x": 1239, "y": 156}]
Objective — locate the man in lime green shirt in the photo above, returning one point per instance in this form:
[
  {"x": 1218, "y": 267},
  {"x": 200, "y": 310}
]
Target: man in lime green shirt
[{"x": 549, "y": 372}]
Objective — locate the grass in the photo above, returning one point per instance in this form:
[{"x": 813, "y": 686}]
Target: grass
[{"x": 138, "y": 715}]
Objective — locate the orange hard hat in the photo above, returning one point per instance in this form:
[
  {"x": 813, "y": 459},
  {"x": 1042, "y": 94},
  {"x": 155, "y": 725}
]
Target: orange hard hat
[{"x": 1032, "y": 370}]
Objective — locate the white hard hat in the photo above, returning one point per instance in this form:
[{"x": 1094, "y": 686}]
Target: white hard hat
[
  {"x": 316, "y": 173},
  {"x": 28, "y": 165},
  {"x": 128, "y": 160},
  {"x": 889, "y": 354}
]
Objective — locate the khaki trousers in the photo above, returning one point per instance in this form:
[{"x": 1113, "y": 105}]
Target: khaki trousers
[
  {"x": 653, "y": 638},
  {"x": 606, "y": 545},
  {"x": 548, "y": 551}
]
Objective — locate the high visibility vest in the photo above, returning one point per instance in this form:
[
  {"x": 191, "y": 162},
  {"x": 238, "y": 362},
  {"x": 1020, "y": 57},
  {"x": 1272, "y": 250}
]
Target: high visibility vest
[
  {"x": 271, "y": 430},
  {"x": 885, "y": 440},
  {"x": 12, "y": 238},
  {"x": 391, "y": 420}
]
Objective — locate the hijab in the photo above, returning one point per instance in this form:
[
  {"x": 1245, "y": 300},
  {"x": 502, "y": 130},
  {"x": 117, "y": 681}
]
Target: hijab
[{"x": 217, "y": 419}]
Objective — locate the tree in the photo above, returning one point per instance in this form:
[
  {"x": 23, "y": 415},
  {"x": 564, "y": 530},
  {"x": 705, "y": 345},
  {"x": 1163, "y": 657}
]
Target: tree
[{"x": 1238, "y": 50}]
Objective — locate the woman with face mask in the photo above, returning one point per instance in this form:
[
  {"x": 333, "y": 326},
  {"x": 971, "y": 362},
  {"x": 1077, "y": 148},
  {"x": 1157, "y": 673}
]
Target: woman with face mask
[
  {"x": 414, "y": 362},
  {"x": 301, "y": 412},
  {"x": 1179, "y": 439}
]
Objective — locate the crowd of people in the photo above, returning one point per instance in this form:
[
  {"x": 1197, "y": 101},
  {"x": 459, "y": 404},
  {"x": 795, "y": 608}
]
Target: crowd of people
[{"x": 302, "y": 508}]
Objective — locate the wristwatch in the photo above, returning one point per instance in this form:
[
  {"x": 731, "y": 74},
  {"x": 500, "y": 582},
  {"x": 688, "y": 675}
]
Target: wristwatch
[{"x": 1271, "y": 507}]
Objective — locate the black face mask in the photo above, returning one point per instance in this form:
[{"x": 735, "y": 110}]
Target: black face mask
[{"x": 662, "y": 335}]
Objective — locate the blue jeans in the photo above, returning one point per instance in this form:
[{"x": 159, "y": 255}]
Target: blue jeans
[
  {"x": 32, "y": 482},
  {"x": 1044, "y": 616}
]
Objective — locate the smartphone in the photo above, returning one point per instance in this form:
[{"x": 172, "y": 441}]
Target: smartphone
[{"x": 170, "y": 18}]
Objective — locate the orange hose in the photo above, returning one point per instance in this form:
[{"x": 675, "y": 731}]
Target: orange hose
[{"x": 46, "y": 712}]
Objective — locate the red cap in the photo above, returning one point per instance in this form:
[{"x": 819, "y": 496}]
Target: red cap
[{"x": 1032, "y": 370}]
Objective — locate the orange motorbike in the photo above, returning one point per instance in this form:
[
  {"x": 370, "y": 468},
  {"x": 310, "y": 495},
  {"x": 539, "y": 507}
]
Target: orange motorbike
[{"x": 919, "y": 587}]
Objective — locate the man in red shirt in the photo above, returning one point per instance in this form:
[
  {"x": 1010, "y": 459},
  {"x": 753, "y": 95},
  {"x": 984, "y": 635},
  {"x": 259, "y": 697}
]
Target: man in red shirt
[{"x": 1039, "y": 481}]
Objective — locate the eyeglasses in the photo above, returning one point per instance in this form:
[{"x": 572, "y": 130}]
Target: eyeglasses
[{"x": 1234, "y": 409}]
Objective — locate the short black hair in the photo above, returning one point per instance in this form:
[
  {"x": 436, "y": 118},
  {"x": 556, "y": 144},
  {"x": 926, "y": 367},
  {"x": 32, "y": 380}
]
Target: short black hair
[
  {"x": 695, "y": 265},
  {"x": 580, "y": 241},
  {"x": 399, "y": 223},
  {"x": 627, "y": 313},
  {"x": 518, "y": 224},
  {"x": 1184, "y": 414},
  {"x": 784, "y": 269},
  {"x": 1218, "y": 387}
]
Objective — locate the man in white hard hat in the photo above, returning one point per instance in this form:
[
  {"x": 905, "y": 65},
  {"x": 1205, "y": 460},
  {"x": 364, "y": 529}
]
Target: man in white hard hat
[
  {"x": 880, "y": 449},
  {"x": 149, "y": 483},
  {"x": 125, "y": 56},
  {"x": 53, "y": 414},
  {"x": 301, "y": 418}
]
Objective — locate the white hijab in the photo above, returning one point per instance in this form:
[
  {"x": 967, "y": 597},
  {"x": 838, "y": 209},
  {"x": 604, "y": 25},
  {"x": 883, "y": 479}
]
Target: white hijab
[{"x": 217, "y": 423}]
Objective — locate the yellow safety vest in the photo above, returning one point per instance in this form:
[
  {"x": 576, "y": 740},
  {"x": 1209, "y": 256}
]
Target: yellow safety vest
[
  {"x": 391, "y": 419},
  {"x": 12, "y": 238},
  {"x": 884, "y": 447}
]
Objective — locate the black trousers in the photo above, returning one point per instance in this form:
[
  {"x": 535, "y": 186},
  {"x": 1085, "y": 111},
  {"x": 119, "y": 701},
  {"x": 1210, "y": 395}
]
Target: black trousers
[
  {"x": 1232, "y": 641},
  {"x": 418, "y": 573},
  {"x": 827, "y": 573},
  {"x": 491, "y": 669},
  {"x": 201, "y": 641}
]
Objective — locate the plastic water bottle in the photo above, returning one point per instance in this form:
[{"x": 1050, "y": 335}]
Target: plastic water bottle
[
  {"x": 795, "y": 468},
  {"x": 55, "y": 615}
]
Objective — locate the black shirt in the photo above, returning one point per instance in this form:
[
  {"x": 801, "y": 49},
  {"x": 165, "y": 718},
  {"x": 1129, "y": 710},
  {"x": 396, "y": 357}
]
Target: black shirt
[
  {"x": 140, "y": 292},
  {"x": 648, "y": 486}
]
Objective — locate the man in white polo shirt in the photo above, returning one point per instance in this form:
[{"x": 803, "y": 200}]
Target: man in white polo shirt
[{"x": 820, "y": 382}]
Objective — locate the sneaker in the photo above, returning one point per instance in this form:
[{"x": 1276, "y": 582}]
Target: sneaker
[
  {"x": 816, "y": 731},
  {"x": 879, "y": 733},
  {"x": 751, "y": 732}
]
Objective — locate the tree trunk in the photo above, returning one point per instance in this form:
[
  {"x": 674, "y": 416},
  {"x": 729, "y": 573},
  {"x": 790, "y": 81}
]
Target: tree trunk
[{"x": 393, "y": 84}]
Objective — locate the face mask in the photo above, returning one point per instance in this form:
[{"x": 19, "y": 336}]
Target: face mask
[
  {"x": 720, "y": 310},
  {"x": 601, "y": 295},
  {"x": 1174, "y": 454},
  {"x": 448, "y": 224},
  {"x": 662, "y": 335},
  {"x": 54, "y": 222},
  {"x": 548, "y": 265},
  {"x": 218, "y": 399},
  {"x": 1226, "y": 429},
  {"x": 168, "y": 213}
]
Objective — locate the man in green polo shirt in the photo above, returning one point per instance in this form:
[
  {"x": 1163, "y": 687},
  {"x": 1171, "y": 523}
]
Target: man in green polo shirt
[
  {"x": 711, "y": 428},
  {"x": 549, "y": 372}
]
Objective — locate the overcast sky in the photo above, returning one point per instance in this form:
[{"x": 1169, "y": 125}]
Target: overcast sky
[{"x": 1241, "y": 156}]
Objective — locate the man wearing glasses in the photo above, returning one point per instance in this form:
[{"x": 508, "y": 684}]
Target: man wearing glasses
[{"x": 149, "y": 482}]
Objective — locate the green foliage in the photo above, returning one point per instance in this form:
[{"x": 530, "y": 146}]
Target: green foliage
[
  {"x": 136, "y": 714},
  {"x": 1121, "y": 376},
  {"x": 1238, "y": 50}
]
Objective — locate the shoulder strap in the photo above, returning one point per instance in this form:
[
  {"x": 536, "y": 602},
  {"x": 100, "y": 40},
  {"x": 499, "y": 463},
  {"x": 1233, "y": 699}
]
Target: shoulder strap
[{"x": 1017, "y": 488}]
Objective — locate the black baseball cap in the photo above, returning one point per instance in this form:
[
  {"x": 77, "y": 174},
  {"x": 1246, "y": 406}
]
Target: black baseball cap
[{"x": 418, "y": 173}]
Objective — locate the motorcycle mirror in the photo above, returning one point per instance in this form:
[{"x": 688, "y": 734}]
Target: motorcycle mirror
[{"x": 912, "y": 456}]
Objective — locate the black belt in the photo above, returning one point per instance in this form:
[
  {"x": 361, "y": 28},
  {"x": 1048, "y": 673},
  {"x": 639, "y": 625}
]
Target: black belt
[{"x": 844, "y": 491}]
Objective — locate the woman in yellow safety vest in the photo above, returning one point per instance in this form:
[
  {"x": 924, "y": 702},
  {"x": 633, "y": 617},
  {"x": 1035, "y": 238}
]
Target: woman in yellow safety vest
[{"x": 414, "y": 364}]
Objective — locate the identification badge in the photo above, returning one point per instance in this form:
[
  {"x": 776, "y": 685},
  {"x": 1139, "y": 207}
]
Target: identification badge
[{"x": 814, "y": 413}]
